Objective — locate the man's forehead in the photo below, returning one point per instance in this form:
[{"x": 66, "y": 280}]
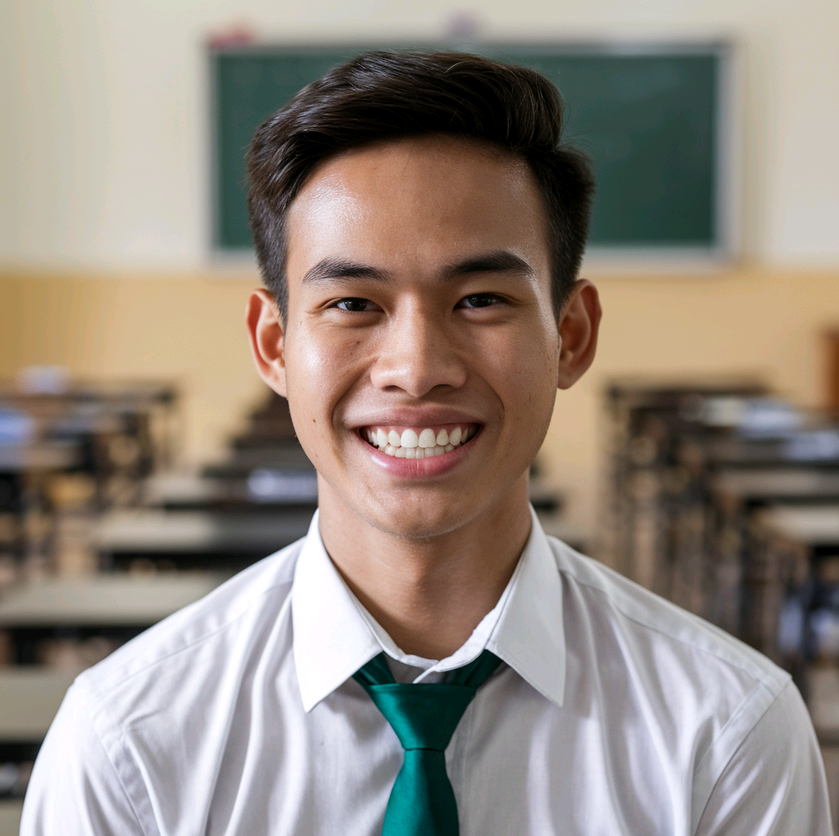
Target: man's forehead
[
  {"x": 431, "y": 155},
  {"x": 427, "y": 182}
]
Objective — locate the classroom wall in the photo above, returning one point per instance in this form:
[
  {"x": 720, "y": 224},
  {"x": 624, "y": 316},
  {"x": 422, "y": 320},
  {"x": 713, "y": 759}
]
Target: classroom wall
[
  {"x": 105, "y": 109},
  {"x": 103, "y": 224}
]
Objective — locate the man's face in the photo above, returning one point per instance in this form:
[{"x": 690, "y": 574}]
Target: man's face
[{"x": 419, "y": 309}]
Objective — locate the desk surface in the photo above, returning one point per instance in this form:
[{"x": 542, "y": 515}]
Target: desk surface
[
  {"x": 15, "y": 458},
  {"x": 773, "y": 453},
  {"x": 262, "y": 489},
  {"x": 811, "y": 525},
  {"x": 151, "y": 531},
  {"x": 29, "y": 699},
  {"x": 10, "y": 811},
  {"x": 777, "y": 482},
  {"x": 112, "y": 600}
]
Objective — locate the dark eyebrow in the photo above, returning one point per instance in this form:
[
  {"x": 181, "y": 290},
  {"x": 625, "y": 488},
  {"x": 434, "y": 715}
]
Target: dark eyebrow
[
  {"x": 494, "y": 262},
  {"x": 330, "y": 269}
]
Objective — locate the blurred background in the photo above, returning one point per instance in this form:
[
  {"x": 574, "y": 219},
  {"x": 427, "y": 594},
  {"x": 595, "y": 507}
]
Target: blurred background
[{"x": 142, "y": 461}]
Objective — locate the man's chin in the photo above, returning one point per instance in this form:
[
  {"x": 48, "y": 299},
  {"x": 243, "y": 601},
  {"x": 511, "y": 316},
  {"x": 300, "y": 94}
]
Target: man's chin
[{"x": 416, "y": 522}]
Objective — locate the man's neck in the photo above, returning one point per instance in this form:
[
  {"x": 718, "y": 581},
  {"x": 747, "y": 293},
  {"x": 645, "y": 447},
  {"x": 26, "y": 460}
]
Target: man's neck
[{"x": 428, "y": 593}]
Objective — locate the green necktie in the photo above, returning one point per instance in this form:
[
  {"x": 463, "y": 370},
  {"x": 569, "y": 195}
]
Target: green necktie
[{"x": 424, "y": 717}]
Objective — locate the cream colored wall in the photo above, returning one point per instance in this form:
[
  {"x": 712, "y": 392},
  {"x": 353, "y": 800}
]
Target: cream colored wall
[
  {"x": 103, "y": 220},
  {"x": 105, "y": 109}
]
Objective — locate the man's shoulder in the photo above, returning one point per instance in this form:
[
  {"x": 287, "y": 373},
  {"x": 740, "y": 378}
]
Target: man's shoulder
[
  {"x": 676, "y": 694},
  {"x": 613, "y": 616},
  {"x": 198, "y": 643}
]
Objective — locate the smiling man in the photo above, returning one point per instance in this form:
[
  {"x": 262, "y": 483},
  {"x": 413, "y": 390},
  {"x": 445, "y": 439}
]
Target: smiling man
[
  {"x": 421, "y": 355},
  {"x": 427, "y": 661}
]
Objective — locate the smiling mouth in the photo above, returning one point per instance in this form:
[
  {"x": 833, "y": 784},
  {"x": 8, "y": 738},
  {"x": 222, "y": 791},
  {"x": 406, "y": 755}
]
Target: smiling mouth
[{"x": 419, "y": 442}]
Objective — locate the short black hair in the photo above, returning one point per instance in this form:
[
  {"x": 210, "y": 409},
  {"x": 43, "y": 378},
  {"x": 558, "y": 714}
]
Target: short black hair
[{"x": 385, "y": 95}]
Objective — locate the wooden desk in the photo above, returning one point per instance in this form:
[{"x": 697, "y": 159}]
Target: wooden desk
[
  {"x": 742, "y": 580},
  {"x": 10, "y": 811},
  {"x": 813, "y": 526},
  {"x": 29, "y": 699},
  {"x": 17, "y": 458},
  {"x": 29, "y": 695},
  {"x": 113, "y": 600},
  {"x": 115, "y": 606},
  {"x": 197, "y": 539},
  {"x": 788, "y": 485},
  {"x": 799, "y": 539},
  {"x": 770, "y": 453},
  {"x": 260, "y": 490}
]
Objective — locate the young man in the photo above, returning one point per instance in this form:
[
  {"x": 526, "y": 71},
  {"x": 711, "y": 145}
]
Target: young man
[{"x": 420, "y": 228}]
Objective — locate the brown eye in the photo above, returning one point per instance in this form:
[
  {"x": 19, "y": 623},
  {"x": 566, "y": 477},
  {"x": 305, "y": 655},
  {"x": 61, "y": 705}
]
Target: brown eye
[
  {"x": 354, "y": 304},
  {"x": 480, "y": 300}
]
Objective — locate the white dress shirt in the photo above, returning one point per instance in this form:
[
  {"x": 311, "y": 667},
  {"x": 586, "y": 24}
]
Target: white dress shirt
[{"x": 614, "y": 713}]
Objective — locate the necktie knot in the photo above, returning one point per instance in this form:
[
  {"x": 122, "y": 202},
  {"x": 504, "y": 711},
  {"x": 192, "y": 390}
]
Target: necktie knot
[{"x": 424, "y": 717}]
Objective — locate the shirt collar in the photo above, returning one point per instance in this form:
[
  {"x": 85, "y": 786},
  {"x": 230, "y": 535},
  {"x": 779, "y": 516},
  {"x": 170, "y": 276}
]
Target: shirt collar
[
  {"x": 333, "y": 639},
  {"x": 529, "y": 635}
]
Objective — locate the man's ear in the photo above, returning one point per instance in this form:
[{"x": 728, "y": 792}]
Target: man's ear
[
  {"x": 266, "y": 334},
  {"x": 578, "y": 328}
]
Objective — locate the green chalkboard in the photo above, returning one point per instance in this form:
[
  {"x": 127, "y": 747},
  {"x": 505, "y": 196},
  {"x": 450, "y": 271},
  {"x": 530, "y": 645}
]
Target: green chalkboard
[{"x": 651, "y": 118}]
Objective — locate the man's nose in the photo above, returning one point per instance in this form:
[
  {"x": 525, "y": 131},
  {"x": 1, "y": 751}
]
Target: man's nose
[{"x": 418, "y": 352}]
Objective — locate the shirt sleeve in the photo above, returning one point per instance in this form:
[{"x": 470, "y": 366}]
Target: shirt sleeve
[
  {"x": 774, "y": 784},
  {"x": 74, "y": 786}
]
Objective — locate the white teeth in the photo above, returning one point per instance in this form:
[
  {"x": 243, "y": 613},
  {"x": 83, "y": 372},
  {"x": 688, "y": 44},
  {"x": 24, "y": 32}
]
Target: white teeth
[
  {"x": 422, "y": 444},
  {"x": 427, "y": 438}
]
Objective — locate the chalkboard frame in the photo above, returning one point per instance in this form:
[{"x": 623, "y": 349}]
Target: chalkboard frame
[{"x": 723, "y": 244}]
